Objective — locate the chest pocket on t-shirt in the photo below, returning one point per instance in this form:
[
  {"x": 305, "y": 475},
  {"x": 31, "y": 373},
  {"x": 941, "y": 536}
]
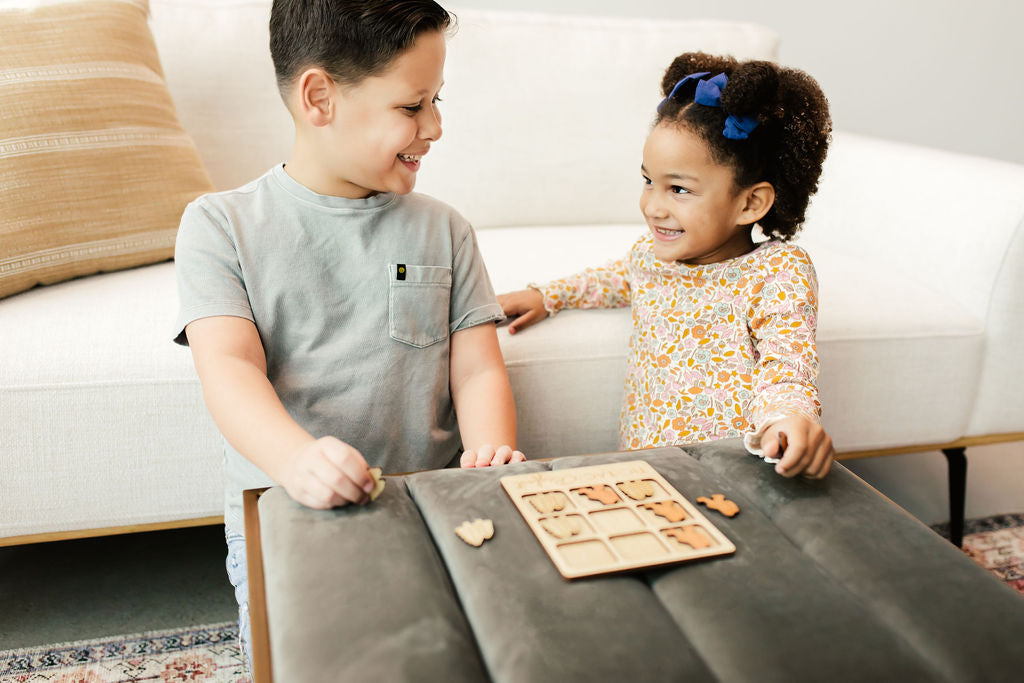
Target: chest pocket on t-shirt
[{"x": 418, "y": 301}]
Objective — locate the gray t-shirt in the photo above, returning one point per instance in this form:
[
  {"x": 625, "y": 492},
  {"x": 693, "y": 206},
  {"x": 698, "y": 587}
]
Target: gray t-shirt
[{"x": 354, "y": 300}]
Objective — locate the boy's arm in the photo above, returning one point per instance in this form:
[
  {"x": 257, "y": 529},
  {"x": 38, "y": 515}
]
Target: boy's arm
[
  {"x": 483, "y": 398},
  {"x": 231, "y": 365}
]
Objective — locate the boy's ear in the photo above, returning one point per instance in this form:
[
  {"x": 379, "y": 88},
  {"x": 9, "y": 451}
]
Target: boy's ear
[
  {"x": 758, "y": 200},
  {"x": 315, "y": 92}
]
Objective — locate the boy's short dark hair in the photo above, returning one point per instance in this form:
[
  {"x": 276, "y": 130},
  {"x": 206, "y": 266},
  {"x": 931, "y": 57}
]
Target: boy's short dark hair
[{"x": 350, "y": 39}]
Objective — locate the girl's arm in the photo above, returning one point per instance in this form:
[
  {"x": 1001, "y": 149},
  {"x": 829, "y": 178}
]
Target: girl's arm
[
  {"x": 783, "y": 325},
  {"x": 483, "y": 398},
  {"x": 604, "y": 287}
]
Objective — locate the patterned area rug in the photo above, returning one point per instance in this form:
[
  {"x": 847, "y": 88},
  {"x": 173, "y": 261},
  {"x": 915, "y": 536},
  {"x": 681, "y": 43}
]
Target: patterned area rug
[
  {"x": 199, "y": 653},
  {"x": 997, "y": 544}
]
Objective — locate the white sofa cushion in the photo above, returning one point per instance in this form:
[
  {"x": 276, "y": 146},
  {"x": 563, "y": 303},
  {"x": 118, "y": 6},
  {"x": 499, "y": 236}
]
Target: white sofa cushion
[
  {"x": 101, "y": 417},
  {"x": 97, "y": 380},
  {"x": 899, "y": 360},
  {"x": 950, "y": 221}
]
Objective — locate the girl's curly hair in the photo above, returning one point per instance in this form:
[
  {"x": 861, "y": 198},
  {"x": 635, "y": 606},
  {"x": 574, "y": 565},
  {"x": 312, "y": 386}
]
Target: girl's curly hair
[{"x": 786, "y": 149}]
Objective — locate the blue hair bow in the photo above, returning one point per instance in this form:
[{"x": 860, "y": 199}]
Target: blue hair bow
[{"x": 708, "y": 92}]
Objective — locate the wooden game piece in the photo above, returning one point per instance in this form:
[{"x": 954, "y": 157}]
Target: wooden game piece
[
  {"x": 720, "y": 503},
  {"x": 475, "y": 532},
  {"x": 548, "y": 502},
  {"x": 562, "y": 527},
  {"x": 783, "y": 445},
  {"x": 637, "y": 489},
  {"x": 378, "y": 481},
  {"x": 602, "y": 493},
  {"x": 669, "y": 509},
  {"x": 690, "y": 535}
]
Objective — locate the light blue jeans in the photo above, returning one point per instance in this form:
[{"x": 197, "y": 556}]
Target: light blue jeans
[{"x": 238, "y": 574}]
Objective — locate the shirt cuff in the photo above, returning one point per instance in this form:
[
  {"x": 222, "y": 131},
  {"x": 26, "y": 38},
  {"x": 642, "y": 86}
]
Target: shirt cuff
[
  {"x": 752, "y": 440},
  {"x": 549, "y": 302},
  {"x": 478, "y": 316}
]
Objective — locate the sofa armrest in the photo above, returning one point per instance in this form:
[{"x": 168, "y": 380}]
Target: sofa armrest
[{"x": 954, "y": 223}]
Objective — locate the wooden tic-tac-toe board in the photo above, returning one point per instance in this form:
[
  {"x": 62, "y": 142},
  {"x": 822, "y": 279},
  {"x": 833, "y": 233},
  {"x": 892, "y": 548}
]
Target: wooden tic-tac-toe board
[{"x": 611, "y": 518}]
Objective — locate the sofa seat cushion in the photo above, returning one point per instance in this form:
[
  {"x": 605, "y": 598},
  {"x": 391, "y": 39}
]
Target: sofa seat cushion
[
  {"x": 894, "y": 354},
  {"x": 95, "y": 398}
]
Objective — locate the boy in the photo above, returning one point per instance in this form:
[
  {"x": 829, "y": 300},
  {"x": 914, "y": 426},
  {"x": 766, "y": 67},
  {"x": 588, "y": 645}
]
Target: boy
[{"x": 333, "y": 317}]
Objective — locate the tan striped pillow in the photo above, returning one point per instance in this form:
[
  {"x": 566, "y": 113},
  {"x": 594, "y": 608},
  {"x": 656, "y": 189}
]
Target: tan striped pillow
[{"x": 95, "y": 169}]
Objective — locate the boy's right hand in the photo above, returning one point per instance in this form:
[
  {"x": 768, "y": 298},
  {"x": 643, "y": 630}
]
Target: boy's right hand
[
  {"x": 328, "y": 473},
  {"x": 523, "y": 308}
]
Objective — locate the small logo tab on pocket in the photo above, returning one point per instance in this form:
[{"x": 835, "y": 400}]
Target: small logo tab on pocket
[{"x": 400, "y": 274}]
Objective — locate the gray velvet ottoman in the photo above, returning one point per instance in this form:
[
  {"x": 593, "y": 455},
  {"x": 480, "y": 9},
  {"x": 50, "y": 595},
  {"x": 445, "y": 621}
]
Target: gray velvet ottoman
[{"x": 829, "y": 581}]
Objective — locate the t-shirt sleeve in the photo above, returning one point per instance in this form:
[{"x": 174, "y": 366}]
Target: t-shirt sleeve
[
  {"x": 207, "y": 270},
  {"x": 472, "y": 299}
]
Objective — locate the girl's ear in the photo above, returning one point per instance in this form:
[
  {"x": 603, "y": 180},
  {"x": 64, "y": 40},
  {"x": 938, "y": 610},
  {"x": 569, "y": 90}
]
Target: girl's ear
[
  {"x": 315, "y": 92},
  {"x": 758, "y": 199}
]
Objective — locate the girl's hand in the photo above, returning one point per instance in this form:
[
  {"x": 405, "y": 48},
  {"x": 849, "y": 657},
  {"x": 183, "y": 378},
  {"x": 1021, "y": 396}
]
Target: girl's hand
[
  {"x": 328, "y": 473},
  {"x": 805, "y": 448},
  {"x": 526, "y": 307},
  {"x": 487, "y": 456}
]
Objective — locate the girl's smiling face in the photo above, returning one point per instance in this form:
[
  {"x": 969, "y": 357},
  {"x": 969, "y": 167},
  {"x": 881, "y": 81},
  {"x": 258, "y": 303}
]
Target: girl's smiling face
[{"x": 691, "y": 204}]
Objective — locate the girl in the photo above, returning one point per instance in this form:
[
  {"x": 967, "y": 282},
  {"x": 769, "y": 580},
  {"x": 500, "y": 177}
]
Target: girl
[{"x": 723, "y": 327}]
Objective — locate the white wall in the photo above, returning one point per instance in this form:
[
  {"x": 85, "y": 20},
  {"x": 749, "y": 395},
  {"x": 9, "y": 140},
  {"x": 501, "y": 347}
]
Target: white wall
[{"x": 933, "y": 72}]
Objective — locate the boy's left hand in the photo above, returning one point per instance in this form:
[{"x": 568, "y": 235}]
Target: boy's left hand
[
  {"x": 808, "y": 450},
  {"x": 487, "y": 455}
]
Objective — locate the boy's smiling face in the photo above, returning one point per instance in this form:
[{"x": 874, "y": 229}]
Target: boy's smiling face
[{"x": 379, "y": 129}]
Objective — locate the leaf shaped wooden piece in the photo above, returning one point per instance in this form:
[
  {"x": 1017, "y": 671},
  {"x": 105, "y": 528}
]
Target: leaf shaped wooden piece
[
  {"x": 562, "y": 527},
  {"x": 637, "y": 489},
  {"x": 475, "y": 532},
  {"x": 548, "y": 502},
  {"x": 378, "y": 480}
]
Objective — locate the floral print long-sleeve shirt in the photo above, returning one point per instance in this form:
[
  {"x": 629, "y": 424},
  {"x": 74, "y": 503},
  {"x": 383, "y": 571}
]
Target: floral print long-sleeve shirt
[{"x": 717, "y": 350}]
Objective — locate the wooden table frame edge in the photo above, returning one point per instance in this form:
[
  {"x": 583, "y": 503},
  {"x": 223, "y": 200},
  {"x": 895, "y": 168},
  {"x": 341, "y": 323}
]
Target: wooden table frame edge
[
  {"x": 98, "y": 532},
  {"x": 258, "y": 624}
]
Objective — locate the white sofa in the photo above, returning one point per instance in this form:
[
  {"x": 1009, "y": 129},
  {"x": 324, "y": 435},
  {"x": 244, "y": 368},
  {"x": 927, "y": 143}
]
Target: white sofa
[{"x": 920, "y": 256}]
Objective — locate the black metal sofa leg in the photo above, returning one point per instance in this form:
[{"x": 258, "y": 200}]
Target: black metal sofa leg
[{"x": 957, "y": 461}]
